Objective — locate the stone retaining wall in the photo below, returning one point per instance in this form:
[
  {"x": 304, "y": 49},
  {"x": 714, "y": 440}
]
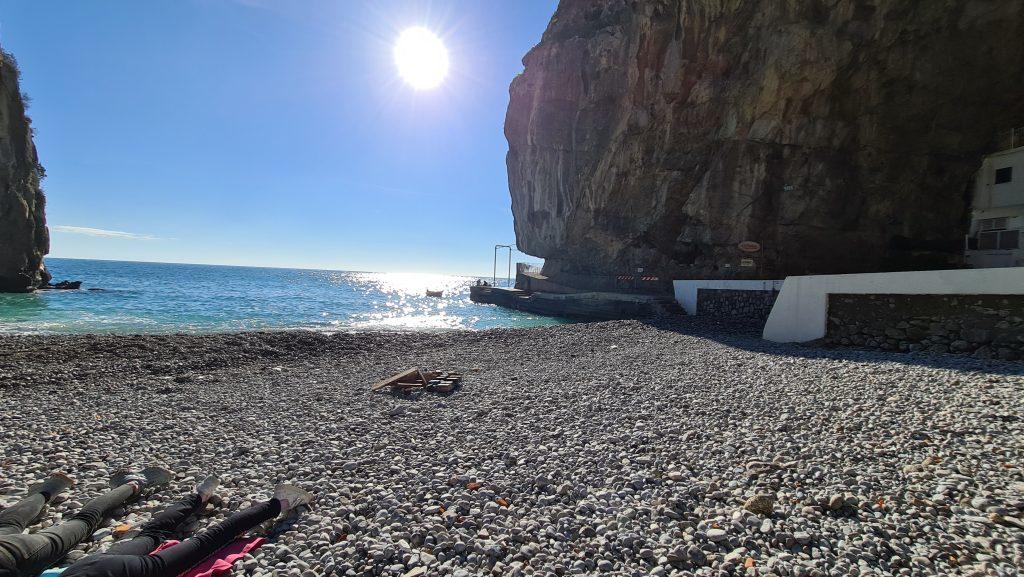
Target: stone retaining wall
[
  {"x": 752, "y": 304},
  {"x": 985, "y": 326}
]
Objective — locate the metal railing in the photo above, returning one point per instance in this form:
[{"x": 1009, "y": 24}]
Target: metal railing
[
  {"x": 1011, "y": 138},
  {"x": 494, "y": 272},
  {"x": 527, "y": 268}
]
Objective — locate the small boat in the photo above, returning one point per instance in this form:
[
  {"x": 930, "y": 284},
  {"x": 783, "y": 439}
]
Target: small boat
[{"x": 436, "y": 294}]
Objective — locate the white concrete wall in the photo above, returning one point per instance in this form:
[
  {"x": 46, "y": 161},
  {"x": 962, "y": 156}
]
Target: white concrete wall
[
  {"x": 800, "y": 313},
  {"x": 686, "y": 290}
]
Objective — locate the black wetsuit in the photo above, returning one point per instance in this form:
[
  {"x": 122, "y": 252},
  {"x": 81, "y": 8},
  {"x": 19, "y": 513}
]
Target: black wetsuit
[
  {"x": 132, "y": 558},
  {"x": 27, "y": 555}
]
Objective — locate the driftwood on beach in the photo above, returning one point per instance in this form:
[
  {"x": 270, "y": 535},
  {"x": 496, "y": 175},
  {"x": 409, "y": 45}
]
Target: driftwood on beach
[{"x": 414, "y": 378}]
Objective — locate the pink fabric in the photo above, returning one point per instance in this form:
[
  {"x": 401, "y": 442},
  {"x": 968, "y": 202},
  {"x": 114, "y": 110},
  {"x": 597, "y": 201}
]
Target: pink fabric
[
  {"x": 165, "y": 545},
  {"x": 220, "y": 562}
]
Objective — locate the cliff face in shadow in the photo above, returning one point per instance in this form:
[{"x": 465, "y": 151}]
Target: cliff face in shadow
[
  {"x": 24, "y": 239},
  {"x": 840, "y": 135}
]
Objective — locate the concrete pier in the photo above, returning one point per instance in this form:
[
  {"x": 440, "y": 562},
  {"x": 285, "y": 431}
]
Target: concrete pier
[{"x": 589, "y": 305}]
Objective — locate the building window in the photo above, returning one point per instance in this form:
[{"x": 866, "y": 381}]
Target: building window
[
  {"x": 999, "y": 240},
  {"x": 1009, "y": 240},
  {"x": 992, "y": 223},
  {"x": 1004, "y": 175}
]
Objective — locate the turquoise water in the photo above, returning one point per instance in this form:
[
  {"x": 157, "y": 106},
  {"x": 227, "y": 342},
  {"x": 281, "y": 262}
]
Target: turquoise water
[{"x": 160, "y": 298}]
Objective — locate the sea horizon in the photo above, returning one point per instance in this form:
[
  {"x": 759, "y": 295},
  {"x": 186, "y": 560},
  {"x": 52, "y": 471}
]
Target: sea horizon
[{"x": 256, "y": 266}]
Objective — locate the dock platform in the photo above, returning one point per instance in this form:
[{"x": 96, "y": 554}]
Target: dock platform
[{"x": 583, "y": 305}]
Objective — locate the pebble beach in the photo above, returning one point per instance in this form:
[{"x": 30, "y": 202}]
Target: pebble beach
[{"x": 617, "y": 448}]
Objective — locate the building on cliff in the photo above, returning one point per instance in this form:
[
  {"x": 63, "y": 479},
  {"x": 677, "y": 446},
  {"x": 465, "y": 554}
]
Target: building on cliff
[
  {"x": 997, "y": 209},
  {"x": 838, "y": 137},
  {"x": 24, "y": 238}
]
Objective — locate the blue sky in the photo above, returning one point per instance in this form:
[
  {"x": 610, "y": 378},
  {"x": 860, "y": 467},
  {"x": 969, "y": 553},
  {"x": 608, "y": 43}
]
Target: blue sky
[{"x": 264, "y": 133}]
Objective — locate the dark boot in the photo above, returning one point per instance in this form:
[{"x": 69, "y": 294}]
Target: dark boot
[
  {"x": 54, "y": 485},
  {"x": 147, "y": 478}
]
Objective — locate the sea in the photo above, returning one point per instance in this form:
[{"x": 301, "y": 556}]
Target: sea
[{"x": 141, "y": 297}]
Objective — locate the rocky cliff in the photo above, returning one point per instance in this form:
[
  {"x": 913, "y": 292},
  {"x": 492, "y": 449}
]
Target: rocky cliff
[
  {"x": 24, "y": 239},
  {"x": 840, "y": 135}
]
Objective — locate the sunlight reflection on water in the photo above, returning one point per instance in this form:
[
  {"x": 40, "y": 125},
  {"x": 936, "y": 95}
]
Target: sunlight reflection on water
[{"x": 405, "y": 304}]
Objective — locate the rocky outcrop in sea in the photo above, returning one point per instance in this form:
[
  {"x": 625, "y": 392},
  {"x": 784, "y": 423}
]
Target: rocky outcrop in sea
[
  {"x": 24, "y": 239},
  {"x": 841, "y": 136}
]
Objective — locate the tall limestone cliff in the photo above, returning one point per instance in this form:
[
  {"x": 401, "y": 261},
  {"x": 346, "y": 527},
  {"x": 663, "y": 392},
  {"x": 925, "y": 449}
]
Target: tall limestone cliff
[
  {"x": 840, "y": 135},
  {"x": 24, "y": 239}
]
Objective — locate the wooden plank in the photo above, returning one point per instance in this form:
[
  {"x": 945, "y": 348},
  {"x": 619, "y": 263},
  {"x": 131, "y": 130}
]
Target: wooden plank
[
  {"x": 407, "y": 386},
  {"x": 404, "y": 375}
]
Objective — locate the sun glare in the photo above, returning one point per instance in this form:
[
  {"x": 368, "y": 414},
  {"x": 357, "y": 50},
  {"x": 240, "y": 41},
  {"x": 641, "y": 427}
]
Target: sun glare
[{"x": 421, "y": 58}]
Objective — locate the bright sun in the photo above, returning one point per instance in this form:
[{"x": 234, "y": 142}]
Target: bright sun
[{"x": 421, "y": 58}]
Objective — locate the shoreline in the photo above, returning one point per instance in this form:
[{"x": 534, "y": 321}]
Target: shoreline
[
  {"x": 267, "y": 330},
  {"x": 724, "y": 329},
  {"x": 618, "y": 446}
]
